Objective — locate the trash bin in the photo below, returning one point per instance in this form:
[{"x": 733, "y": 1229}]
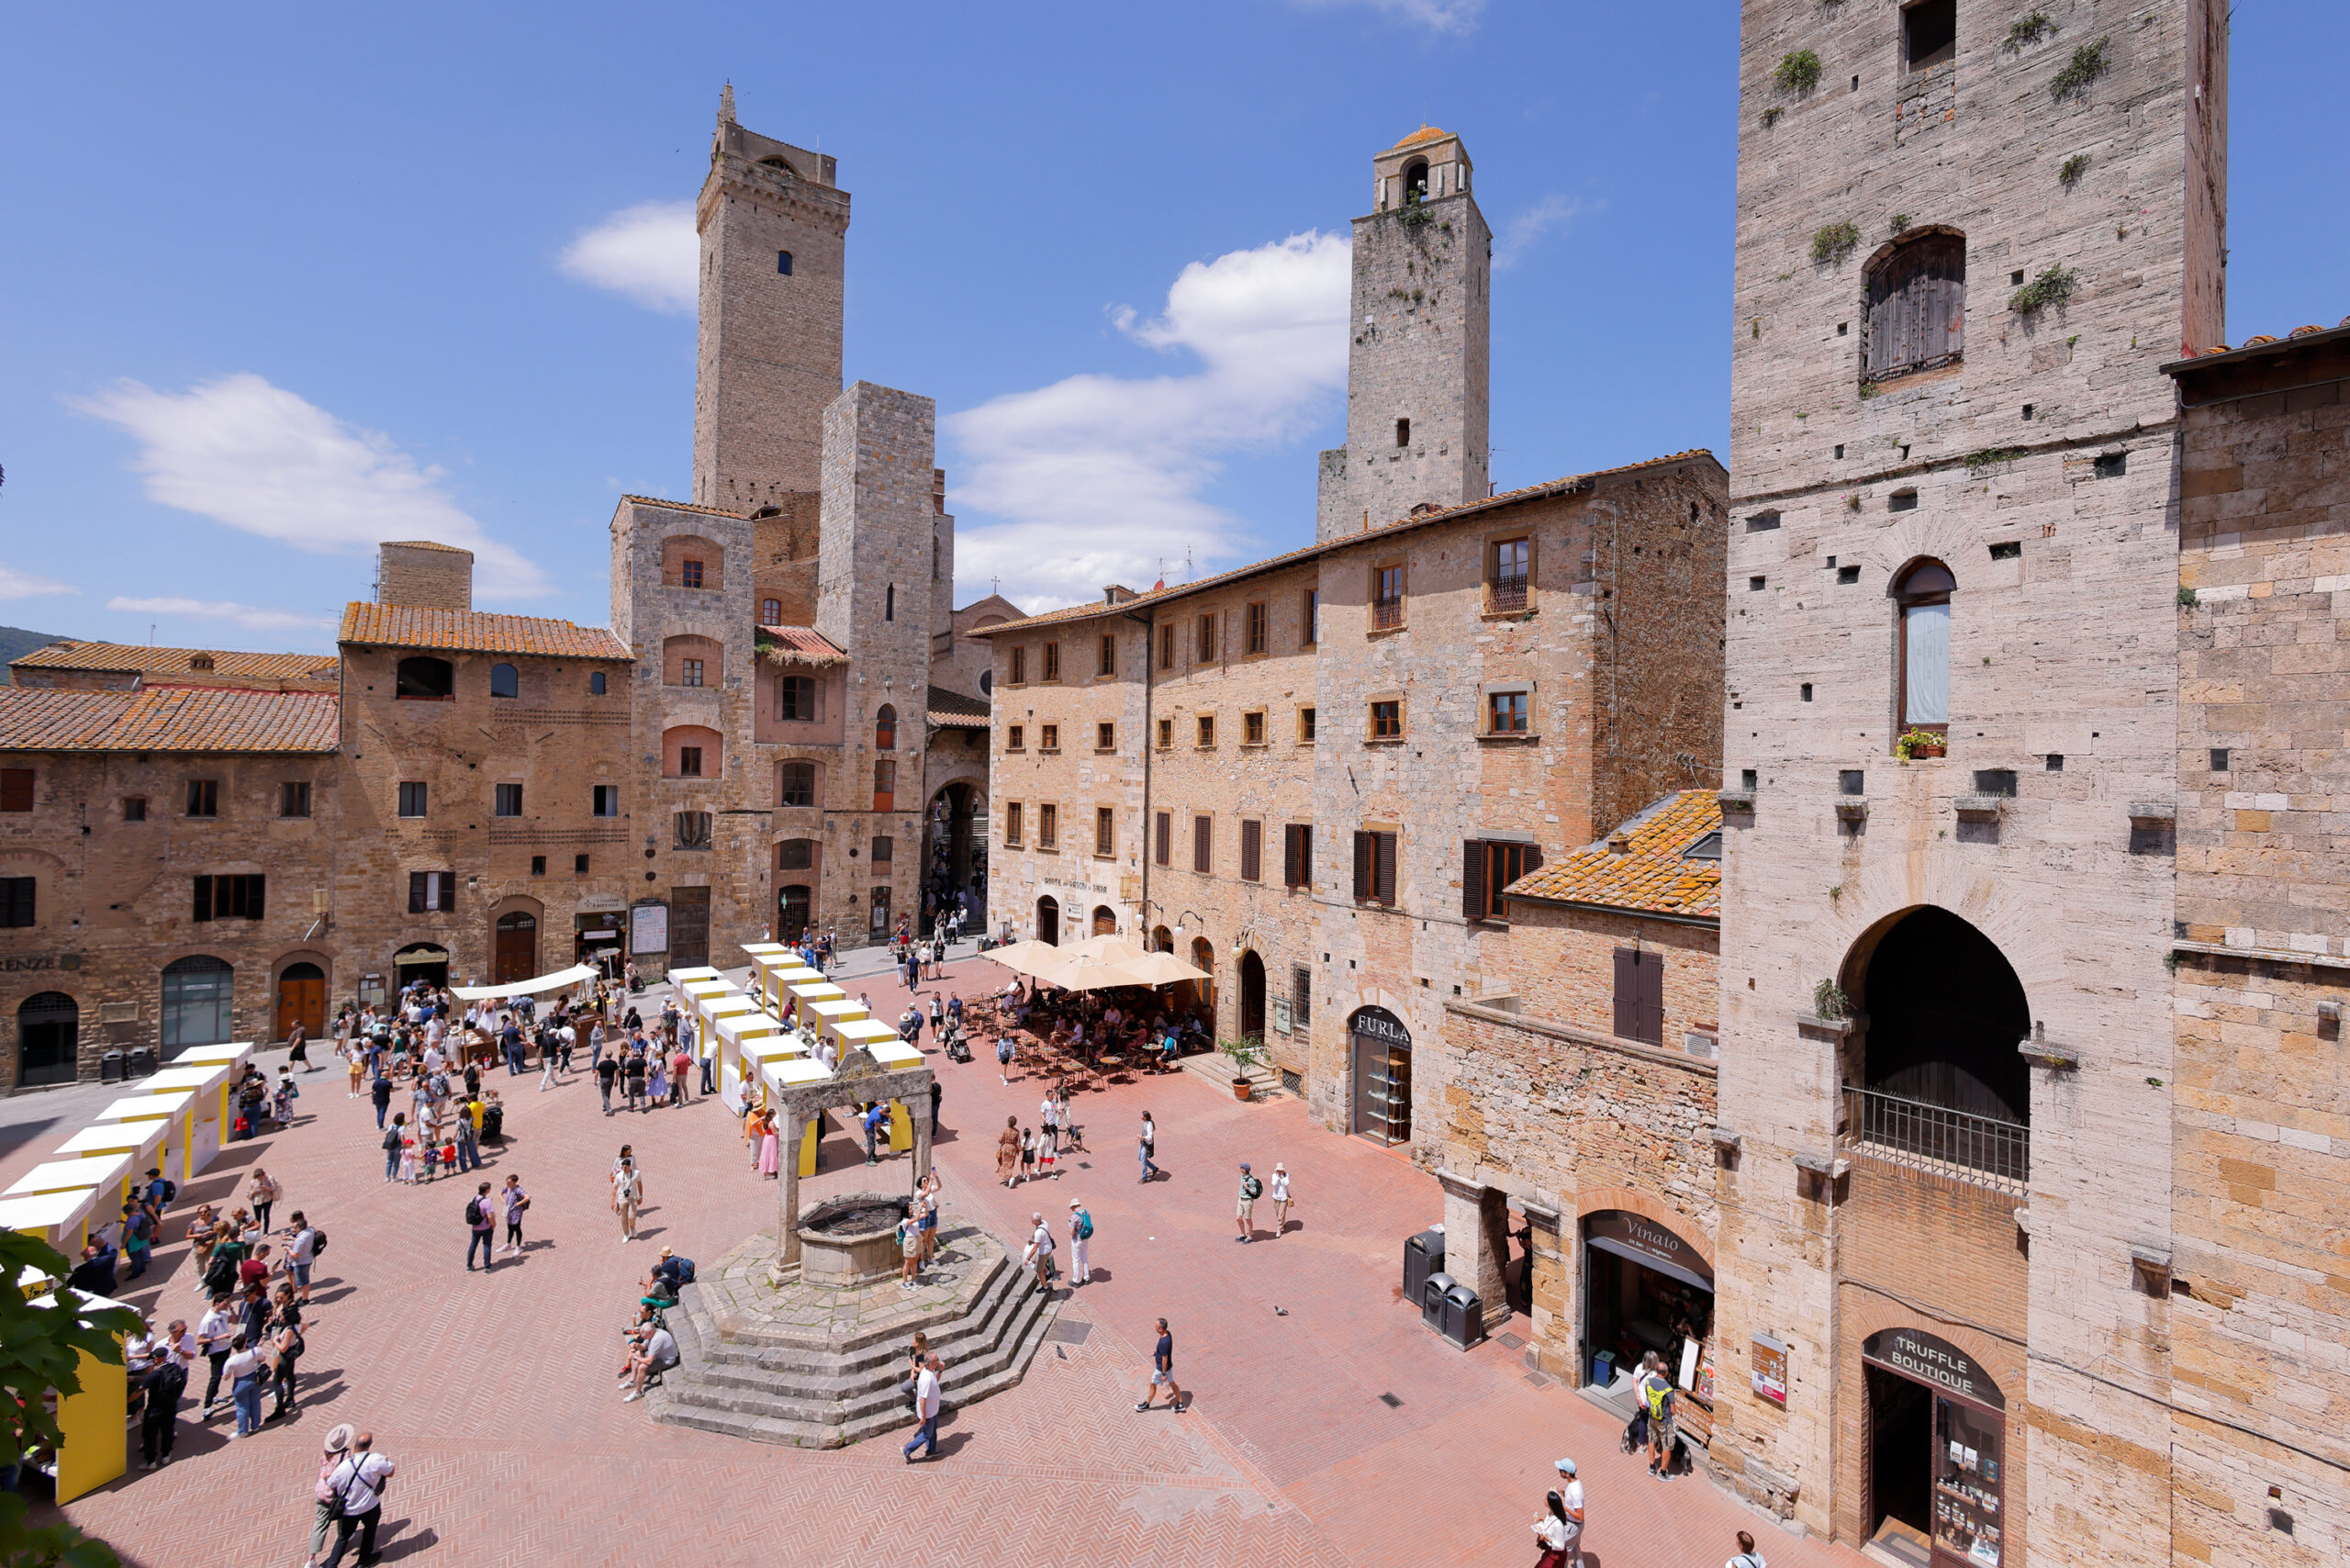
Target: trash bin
[
  {"x": 1423, "y": 1255},
  {"x": 110, "y": 1067},
  {"x": 1603, "y": 1370},
  {"x": 1464, "y": 1317},
  {"x": 142, "y": 1061},
  {"x": 1432, "y": 1300}
]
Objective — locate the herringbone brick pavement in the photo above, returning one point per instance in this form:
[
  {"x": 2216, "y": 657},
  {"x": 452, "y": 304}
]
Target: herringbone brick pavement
[{"x": 494, "y": 1391}]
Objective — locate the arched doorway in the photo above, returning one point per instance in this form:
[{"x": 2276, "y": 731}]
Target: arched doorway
[
  {"x": 426, "y": 961},
  {"x": 515, "y": 955},
  {"x": 301, "y": 999},
  {"x": 1049, "y": 921},
  {"x": 49, "y": 1030},
  {"x": 1252, "y": 996},
  {"x": 1383, "y": 1075},
  {"x": 198, "y": 994},
  {"x": 1162, "y": 940},
  {"x": 1203, "y": 991},
  {"x": 1937, "y": 1444},
  {"x": 1939, "y": 1076},
  {"x": 1105, "y": 921},
  {"x": 792, "y": 903}
]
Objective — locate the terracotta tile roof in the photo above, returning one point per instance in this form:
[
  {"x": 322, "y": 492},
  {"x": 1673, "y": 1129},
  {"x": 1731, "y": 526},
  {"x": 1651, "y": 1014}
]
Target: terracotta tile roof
[
  {"x": 684, "y": 506},
  {"x": 2252, "y": 346},
  {"x": 799, "y": 645},
  {"x": 165, "y": 663},
  {"x": 954, "y": 708},
  {"x": 1652, "y": 872},
  {"x": 1566, "y": 485},
  {"x": 170, "y": 718},
  {"x": 474, "y": 631},
  {"x": 1426, "y": 133},
  {"x": 425, "y": 544}
]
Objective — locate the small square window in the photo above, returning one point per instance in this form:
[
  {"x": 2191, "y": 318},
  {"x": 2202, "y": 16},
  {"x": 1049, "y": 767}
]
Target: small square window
[
  {"x": 1807, "y": 691},
  {"x": 2015, "y": 277},
  {"x": 1048, "y": 737},
  {"x": 294, "y": 798},
  {"x": 1252, "y": 729},
  {"x": 1843, "y": 328},
  {"x": 690, "y": 574},
  {"x": 509, "y": 800},
  {"x": 689, "y": 762},
  {"x": 1105, "y": 737},
  {"x": 1165, "y": 734},
  {"x": 579, "y": 865},
  {"x": 2219, "y": 759},
  {"x": 2027, "y": 411},
  {"x": 607, "y": 800},
  {"x": 1763, "y": 523},
  {"x": 2009, "y": 550},
  {"x": 134, "y": 808},
  {"x": 1015, "y": 738},
  {"x": 2112, "y": 464},
  {"x": 1387, "y": 720},
  {"x": 1902, "y": 501},
  {"x": 1756, "y": 584},
  {"x": 1506, "y": 713},
  {"x": 596, "y": 684},
  {"x": 2055, "y": 762},
  {"x": 1749, "y": 779},
  {"x": 1840, "y": 449},
  {"x": 1848, "y": 574},
  {"x": 538, "y": 864},
  {"x": 1852, "y": 781},
  {"x": 412, "y": 797},
  {"x": 1998, "y": 781}
]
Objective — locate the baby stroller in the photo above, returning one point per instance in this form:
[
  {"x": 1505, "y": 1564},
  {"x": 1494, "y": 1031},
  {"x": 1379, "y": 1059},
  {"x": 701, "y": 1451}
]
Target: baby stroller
[
  {"x": 958, "y": 1047},
  {"x": 493, "y": 1124}
]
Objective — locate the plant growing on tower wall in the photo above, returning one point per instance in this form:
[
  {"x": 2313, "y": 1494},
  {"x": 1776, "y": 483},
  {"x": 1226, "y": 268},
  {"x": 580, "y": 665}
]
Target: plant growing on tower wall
[
  {"x": 1835, "y": 243},
  {"x": 1798, "y": 72},
  {"x": 1828, "y": 1000},
  {"x": 2052, "y": 287},
  {"x": 2088, "y": 64}
]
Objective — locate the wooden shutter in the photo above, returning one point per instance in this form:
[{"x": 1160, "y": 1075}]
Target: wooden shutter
[
  {"x": 16, "y": 788},
  {"x": 1472, "y": 878},
  {"x": 1386, "y": 888},
  {"x": 1164, "y": 827},
  {"x": 1296, "y": 855},
  {"x": 1533, "y": 860},
  {"x": 1252, "y": 851},
  {"x": 1365, "y": 856},
  {"x": 1627, "y": 993},
  {"x": 1651, "y": 1018},
  {"x": 204, "y": 898},
  {"x": 1203, "y": 844}
]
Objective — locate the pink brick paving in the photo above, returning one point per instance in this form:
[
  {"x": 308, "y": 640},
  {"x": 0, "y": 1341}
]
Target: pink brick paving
[{"x": 495, "y": 1392}]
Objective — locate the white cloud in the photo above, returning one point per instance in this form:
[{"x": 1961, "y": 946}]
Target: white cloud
[
  {"x": 262, "y": 459},
  {"x": 15, "y": 584},
  {"x": 1436, "y": 16},
  {"x": 1520, "y": 235},
  {"x": 1099, "y": 475},
  {"x": 648, "y": 253},
  {"x": 245, "y": 615}
]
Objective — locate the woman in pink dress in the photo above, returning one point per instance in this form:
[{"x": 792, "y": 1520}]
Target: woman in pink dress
[{"x": 770, "y": 1147}]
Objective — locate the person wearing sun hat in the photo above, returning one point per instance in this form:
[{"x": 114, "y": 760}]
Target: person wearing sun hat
[
  {"x": 1081, "y": 1238},
  {"x": 338, "y": 1443}
]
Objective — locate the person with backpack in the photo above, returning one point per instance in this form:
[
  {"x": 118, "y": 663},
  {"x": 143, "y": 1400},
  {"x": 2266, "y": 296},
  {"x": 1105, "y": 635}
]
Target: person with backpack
[
  {"x": 1080, "y": 1234},
  {"x": 159, "y": 1419},
  {"x": 1252, "y": 1190},
  {"x": 1657, "y": 1403},
  {"x": 480, "y": 1221},
  {"x": 353, "y": 1488},
  {"x": 1004, "y": 1057},
  {"x": 301, "y": 1253}
]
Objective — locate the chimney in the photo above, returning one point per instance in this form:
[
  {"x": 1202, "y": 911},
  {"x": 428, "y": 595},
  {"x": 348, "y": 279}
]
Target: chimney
[
  {"x": 1117, "y": 593},
  {"x": 422, "y": 575},
  {"x": 1620, "y": 843}
]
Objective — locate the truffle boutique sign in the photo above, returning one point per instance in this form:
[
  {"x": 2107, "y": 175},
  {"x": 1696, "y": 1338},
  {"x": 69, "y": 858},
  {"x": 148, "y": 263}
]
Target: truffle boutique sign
[{"x": 1937, "y": 1361}]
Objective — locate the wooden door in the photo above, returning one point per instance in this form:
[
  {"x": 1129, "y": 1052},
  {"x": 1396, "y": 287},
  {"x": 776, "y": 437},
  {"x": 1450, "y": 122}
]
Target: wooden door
[
  {"x": 688, "y": 927},
  {"x": 301, "y": 999},
  {"x": 516, "y": 955}
]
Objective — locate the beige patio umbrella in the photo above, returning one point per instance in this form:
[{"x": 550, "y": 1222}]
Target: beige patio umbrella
[
  {"x": 1115, "y": 948},
  {"x": 1160, "y": 968},
  {"x": 1029, "y": 957},
  {"x": 1083, "y": 972}
]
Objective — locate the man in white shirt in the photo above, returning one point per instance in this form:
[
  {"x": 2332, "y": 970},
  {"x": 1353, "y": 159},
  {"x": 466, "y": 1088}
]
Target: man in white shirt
[
  {"x": 1049, "y": 1114},
  {"x": 926, "y": 1408},
  {"x": 357, "y": 1485},
  {"x": 1040, "y": 1252},
  {"x": 1570, "y": 1498},
  {"x": 214, "y": 1332},
  {"x": 657, "y": 1352}
]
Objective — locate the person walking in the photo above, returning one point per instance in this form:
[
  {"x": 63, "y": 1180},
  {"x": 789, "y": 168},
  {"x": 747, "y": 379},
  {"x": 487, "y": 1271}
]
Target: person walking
[
  {"x": 468, "y": 1135},
  {"x": 628, "y": 1194},
  {"x": 481, "y": 1220},
  {"x": 1281, "y": 1200},
  {"x": 1747, "y": 1556},
  {"x": 1004, "y": 1057},
  {"x": 323, "y": 1509},
  {"x": 546, "y": 1061},
  {"x": 381, "y": 1092},
  {"x": 1148, "y": 1146},
  {"x": 636, "y": 1069},
  {"x": 1080, "y": 1237},
  {"x": 1007, "y": 1152},
  {"x": 770, "y": 1145},
  {"x": 1049, "y": 1115},
  {"x": 1162, "y": 1375},
  {"x": 513, "y": 1203},
  {"x": 1565, "y": 1512},
  {"x": 1039, "y": 1252},
  {"x": 394, "y": 1140},
  {"x": 355, "y": 1486},
  {"x": 262, "y": 1192},
  {"x": 607, "y": 1070},
  {"x": 926, "y": 1410},
  {"x": 1027, "y": 1153},
  {"x": 937, "y": 1093},
  {"x": 1252, "y": 1190}
]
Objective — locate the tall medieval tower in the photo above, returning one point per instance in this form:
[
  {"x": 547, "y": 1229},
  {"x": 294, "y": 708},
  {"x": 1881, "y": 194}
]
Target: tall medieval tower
[
  {"x": 774, "y": 228},
  {"x": 1968, "y": 237},
  {"x": 1418, "y": 368}
]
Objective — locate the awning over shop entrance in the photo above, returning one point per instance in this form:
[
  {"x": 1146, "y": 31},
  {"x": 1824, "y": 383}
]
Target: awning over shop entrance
[
  {"x": 555, "y": 982},
  {"x": 1650, "y": 1245}
]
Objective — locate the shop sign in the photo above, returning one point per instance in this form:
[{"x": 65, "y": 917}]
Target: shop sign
[
  {"x": 1937, "y": 1361},
  {"x": 1769, "y": 1357},
  {"x": 1378, "y": 1024},
  {"x": 1281, "y": 1015},
  {"x": 601, "y": 903},
  {"x": 648, "y": 928},
  {"x": 18, "y": 963},
  {"x": 1648, "y": 1240}
]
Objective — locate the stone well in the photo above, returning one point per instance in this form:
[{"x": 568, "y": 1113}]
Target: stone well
[{"x": 851, "y": 1238}]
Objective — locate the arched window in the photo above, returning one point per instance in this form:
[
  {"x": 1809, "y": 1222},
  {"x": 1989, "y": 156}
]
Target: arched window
[
  {"x": 692, "y": 661},
  {"x": 1916, "y": 306},
  {"x": 692, "y": 751},
  {"x": 885, "y": 729},
  {"x": 596, "y": 684},
  {"x": 986, "y": 683},
  {"x": 1924, "y": 590},
  {"x": 795, "y": 784},
  {"x": 48, "y": 1039},
  {"x": 196, "y": 995},
  {"x": 770, "y": 612},
  {"x": 426, "y": 680},
  {"x": 505, "y": 681},
  {"x": 885, "y": 786},
  {"x": 1416, "y": 182},
  {"x": 796, "y": 855}
]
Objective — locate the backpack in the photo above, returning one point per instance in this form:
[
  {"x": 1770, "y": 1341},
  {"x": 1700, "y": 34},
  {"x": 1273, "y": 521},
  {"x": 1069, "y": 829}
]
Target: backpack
[
  {"x": 684, "y": 1270},
  {"x": 317, "y": 1241},
  {"x": 1084, "y": 1226},
  {"x": 220, "y": 1274},
  {"x": 164, "y": 1190},
  {"x": 1254, "y": 1188},
  {"x": 168, "y": 1382},
  {"x": 473, "y": 1212},
  {"x": 1658, "y": 1396}
]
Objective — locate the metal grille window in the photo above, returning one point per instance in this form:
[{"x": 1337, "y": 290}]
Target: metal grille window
[
  {"x": 1252, "y": 851},
  {"x": 1300, "y": 995},
  {"x": 693, "y": 830},
  {"x": 1387, "y": 596},
  {"x": 1506, "y": 589},
  {"x": 1203, "y": 844},
  {"x": 1917, "y": 308}
]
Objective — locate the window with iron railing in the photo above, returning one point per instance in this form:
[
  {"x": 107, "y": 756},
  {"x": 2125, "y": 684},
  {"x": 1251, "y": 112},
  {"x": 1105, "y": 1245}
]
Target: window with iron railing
[
  {"x": 1985, "y": 1151},
  {"x": 1505, "y": 589},
  {"x": 1387, "y": 598}
]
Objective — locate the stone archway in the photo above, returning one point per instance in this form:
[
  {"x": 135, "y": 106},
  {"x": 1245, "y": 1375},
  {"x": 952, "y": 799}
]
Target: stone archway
[
  {"x": 1048, "y": 920},
  {"x": 1945, "y": 1012}
]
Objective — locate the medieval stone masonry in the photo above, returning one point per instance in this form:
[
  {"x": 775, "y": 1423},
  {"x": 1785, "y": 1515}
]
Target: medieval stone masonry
[{"x": 782, "y": 731}]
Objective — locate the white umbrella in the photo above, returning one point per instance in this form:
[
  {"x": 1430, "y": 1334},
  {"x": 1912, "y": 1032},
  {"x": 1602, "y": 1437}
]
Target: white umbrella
[
  {"x": 1160, "y": 968},
  {"x": 1028, "y": 957}
]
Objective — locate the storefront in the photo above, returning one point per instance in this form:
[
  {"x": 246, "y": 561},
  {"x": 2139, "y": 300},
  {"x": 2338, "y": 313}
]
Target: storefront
[
  {"x": 1645, "y": 1288},
  {"x": 1937, "y": 1447},
  {"x": 426, "y": 961},
  {"x": 597, "y": 942},
  {"x": 1383, "y": 1076}
]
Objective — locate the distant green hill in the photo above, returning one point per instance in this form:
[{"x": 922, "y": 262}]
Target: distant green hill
[{"x": 15, "y": 642}]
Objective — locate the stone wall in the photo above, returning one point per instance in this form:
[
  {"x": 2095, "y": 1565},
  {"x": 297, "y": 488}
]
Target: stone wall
[{"x": 438, "y": 577}]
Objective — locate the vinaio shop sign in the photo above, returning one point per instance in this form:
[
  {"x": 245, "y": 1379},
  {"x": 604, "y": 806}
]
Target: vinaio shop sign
[{"x": 1919, "y": 1355}]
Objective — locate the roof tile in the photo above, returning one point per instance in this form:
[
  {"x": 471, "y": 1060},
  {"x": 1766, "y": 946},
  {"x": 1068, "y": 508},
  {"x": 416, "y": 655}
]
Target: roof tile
[
  {"x": 954, "y": 709},
  {"x": 1651, "y": 872},
  {"x": 474, "y": 631},
  {"x": 168, "y": 718},
  {"x": 132, "y": 658},
  {"x": 799, "y": 645}
]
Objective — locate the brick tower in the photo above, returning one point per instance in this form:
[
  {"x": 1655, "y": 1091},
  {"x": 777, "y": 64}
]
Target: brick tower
[
  {"x": 774, "y": 228},
  {"x": 1418, "y": 368},
  {"x": 1967, "y": 239}
]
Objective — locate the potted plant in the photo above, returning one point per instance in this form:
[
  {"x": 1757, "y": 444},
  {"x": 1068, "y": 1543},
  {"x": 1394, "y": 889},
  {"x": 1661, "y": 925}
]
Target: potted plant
[
  {"x": 1245, "y": 1054},
  {"x": 1914, "y": 743}
]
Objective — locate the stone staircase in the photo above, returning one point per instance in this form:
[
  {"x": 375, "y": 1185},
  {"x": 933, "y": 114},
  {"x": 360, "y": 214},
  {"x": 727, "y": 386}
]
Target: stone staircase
[
  {"x": 772, "y": 1388},
  {"x": 1216, "y": 1068}
]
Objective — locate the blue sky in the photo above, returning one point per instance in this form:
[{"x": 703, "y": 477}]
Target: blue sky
[{"x": 278, "y": 282}]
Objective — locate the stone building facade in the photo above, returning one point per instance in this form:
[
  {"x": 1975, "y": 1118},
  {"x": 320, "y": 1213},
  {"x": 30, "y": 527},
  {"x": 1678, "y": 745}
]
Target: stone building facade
[
  {"x": 1951, "y": 734},
  {"x": 1324, "y": 767},
  {"x": 2258, "y": 1294}
]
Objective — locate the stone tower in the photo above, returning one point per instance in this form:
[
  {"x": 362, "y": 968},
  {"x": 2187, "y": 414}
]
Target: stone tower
[
  {"x": 774, "y": 226},
  {"x": 883, "y": 539},
  {"x": 1418, "y": 369},
  {"x": 1967, "y": 239}
]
